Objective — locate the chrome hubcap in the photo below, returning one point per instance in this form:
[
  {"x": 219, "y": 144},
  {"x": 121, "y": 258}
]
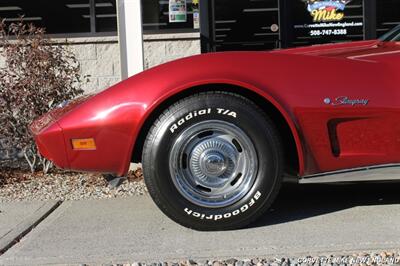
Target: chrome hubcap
[{"x": 213, "y": 164}]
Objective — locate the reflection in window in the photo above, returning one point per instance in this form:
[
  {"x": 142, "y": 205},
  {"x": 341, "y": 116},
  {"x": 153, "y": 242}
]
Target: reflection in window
[
  {"x": 155, "y": 15},
  {"x": 388, "y": 15},
  {"x": 63, "y": 16},
  {"x": 246, "y": 25},
  {"x": 106, "y": 16}
]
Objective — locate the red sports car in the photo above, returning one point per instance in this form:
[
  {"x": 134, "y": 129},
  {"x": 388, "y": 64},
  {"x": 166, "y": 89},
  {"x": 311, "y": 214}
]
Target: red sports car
[{"x": 217, "y": 133}]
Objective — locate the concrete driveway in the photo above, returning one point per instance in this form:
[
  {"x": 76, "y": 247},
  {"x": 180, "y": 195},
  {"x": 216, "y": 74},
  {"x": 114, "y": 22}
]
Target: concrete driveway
[
  {"x": 17, "y": 219},
  {"x": 313, "y": 219}
]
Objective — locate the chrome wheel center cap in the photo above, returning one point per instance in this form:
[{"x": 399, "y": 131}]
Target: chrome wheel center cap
[
  {"x": 213, "y": 170},
  {"x": 213, "y": 164}
]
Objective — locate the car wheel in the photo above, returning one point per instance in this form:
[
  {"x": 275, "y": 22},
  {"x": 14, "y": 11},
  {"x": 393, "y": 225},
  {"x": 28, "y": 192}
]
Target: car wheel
[{"x": 213, "y": 161}]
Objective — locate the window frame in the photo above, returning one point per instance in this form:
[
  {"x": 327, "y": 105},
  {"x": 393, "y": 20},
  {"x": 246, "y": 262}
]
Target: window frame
[
  {"x": 93, "y": 27},
  {"x": 168, "y": 31}
]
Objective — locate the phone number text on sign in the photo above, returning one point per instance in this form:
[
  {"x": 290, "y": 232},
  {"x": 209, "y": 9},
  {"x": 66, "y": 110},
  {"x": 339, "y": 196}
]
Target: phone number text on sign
[{"x": 329, "y": 32}]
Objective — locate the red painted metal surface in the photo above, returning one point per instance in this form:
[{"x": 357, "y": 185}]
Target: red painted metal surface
[{"x": 297, "y": 82}]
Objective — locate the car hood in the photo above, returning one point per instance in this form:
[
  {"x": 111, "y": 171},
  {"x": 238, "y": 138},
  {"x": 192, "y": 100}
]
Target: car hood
[{"x": 351, "y": 50}]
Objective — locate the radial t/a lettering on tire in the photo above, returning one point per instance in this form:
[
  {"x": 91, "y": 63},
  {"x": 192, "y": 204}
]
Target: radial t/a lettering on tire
[{"x": 213, "y": 161}]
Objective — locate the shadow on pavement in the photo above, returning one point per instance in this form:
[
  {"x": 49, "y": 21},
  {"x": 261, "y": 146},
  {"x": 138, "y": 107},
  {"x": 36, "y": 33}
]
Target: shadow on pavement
[{"x": 297, "y": 202}]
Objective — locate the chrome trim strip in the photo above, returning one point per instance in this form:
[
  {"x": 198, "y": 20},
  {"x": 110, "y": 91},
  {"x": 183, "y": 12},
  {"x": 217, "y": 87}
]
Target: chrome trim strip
[{"x": 369, "y": 173}]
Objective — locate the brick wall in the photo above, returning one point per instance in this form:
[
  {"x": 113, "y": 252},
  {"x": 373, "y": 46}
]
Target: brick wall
[
  {"x": 100, "y": 56},
  {"x": 162, "y": 48}
]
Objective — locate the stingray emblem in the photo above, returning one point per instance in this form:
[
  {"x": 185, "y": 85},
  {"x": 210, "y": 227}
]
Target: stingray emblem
[
  {"x": 327, "y": 10},
  {"x": 344, "y": 100}
]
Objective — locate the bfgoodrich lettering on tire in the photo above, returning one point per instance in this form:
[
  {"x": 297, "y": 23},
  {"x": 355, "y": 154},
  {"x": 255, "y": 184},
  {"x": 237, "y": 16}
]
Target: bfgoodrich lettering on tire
[{"x": 213, "y": 161}]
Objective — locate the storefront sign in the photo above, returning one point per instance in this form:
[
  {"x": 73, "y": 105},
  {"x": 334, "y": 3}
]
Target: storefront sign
[
  {"x": 329, "y": 21},
  {"x": 177, "y": 11},
  {"x": 327, "y": 10}
]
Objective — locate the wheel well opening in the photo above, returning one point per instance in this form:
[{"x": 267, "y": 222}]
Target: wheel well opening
[{"x": 290, "y": 149}]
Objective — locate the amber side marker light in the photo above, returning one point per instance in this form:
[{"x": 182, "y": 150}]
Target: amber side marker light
[{"x": 83, "y": 144}]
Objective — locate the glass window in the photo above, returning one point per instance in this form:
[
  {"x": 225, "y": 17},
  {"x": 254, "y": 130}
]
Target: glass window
[
  {"x": 320, "y": 21},
  {"x": 156, "y": 16},
  {"x": 63, "y": 16},
  {"x": 392, "y": 36},
  {"x": 246, "y": 25},
  {"x": 106, "y": 16},
  {"x": 387, "y": 15}
]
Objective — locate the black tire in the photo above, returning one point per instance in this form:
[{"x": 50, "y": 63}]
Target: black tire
[{"x": 167, "y": 192}]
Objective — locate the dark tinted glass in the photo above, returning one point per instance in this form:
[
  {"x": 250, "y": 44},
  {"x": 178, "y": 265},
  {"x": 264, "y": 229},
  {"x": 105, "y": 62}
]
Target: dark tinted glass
[
  {"x": 335, "y": 21},
  {"x": 60, "y": 16},
  {"x": 387, "y": 15},
  {"x": 393, "y": 35},
  {"x": 63, "y": 16},
  {"x": 246, "y": 25},
  {"x": 155, "y": 15},
  {"x": 106, "y": 16}
]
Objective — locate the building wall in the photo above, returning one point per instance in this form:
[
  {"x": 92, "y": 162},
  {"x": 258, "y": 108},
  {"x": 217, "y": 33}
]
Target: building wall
[
  {"x": 162, "y": 48},
  {"x": 100, "y": 61},
  {"x": 100, "y": 56}
]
